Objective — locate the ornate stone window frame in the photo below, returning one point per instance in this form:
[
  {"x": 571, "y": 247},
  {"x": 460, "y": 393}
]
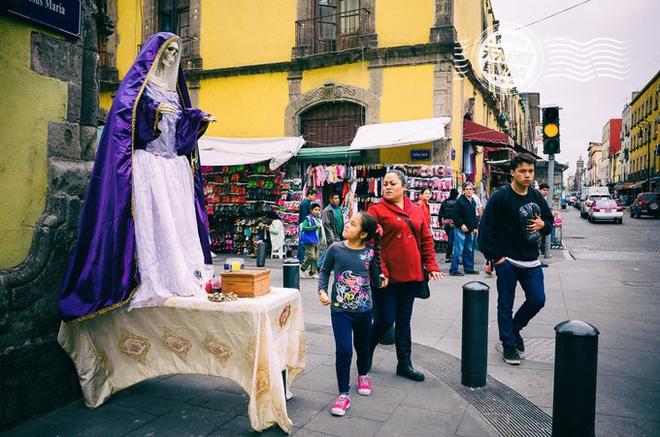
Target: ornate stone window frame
[{"x": 330, "y": 92}]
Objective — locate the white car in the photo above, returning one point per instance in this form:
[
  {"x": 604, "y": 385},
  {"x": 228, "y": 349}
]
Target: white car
[
  {"x": 587, "y": 201},
  {"x": 604, "y": 208}
]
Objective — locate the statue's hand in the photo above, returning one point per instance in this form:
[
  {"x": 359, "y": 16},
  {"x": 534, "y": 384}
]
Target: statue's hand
[
  {"x": 210, "y": 119},
  {"x": 166, "y": 108}
]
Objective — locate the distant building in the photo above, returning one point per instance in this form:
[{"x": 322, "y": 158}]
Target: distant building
[
  {"x": 611, "y": 150},
  {"x": 644, "y": 141},
  {"x": 594, "y": 164}
]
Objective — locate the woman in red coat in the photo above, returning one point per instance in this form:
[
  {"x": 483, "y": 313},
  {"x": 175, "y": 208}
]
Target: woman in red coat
[
  {"x": 403, "y": 225},
  {"x": 423, "y": 203}
]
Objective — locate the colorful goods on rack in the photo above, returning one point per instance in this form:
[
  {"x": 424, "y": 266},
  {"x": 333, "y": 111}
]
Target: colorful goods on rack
[
  {"x": 238, "y": 199},
  {"x": 287, "y": 209},
  {"x": 358, "y": 185}
]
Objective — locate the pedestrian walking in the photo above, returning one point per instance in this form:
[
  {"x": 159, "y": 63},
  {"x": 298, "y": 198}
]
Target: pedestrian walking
[
  {"x": 465, "y": 228},
  {"x": 333, "y": 220},
  {"x": 515, "y": 218},
  {"x": 356, "y": 266},
  {"x": 303, "y": 212},
  {"x": 311, "y": 231},
  {"x": 447, "y": 217},
  {"x": 423, "y": 203},
  {"x": 407, "y": 256}
]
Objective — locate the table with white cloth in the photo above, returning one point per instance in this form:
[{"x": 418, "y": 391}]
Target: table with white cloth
[{"x": 250, "y": 341}]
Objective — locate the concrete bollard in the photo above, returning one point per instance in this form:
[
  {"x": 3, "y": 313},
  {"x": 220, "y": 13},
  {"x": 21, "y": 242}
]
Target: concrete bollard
[
  {"x": 261, "y": 253},
  {"x": 291, "y": 273},
  {"x": 574, "y": 395},
  {"x": 474, "y": 339}
]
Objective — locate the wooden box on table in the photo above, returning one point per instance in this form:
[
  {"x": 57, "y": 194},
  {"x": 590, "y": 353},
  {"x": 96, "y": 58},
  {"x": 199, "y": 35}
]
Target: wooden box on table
[{"x": 247, "y": 282}]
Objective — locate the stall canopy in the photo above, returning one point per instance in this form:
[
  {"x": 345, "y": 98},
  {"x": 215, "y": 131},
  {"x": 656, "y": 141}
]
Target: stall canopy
[
  {"x": 240, "y": 151},
  {"x": 483, "y": 136},
  {"x": 400, "y": 133}
]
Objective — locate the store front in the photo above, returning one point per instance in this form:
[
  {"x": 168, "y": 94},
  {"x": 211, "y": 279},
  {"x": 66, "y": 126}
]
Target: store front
[{"x": 498, "y": 149}]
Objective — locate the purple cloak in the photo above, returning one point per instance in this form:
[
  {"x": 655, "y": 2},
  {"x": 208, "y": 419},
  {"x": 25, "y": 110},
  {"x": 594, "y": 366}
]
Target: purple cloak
[{"x": 103, "y": 274}]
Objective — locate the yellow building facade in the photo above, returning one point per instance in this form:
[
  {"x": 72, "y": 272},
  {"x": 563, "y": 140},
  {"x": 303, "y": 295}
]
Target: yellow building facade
[
  {"x": 645, "y": 139},
  {"x": 35, "y": 101},
  {"x": 284, "y": 68}
]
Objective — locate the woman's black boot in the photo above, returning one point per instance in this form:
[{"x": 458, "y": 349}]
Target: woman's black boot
[{"x": 404, "y": 367}]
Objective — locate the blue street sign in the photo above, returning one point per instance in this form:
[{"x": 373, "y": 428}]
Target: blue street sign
[
  {"x": 61, "y": 15},
  {"x": 420, "y": 155}
]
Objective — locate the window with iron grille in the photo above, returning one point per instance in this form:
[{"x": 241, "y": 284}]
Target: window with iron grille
[
  {"x": 331, "y": 124},
  {"x": 336, "y": 25},
  {"x": 174, "y": 16}
]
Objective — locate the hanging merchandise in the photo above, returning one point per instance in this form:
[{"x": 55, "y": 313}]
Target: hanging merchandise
[
  {"x": 288, "y": 206},
  {"x": 238, "y": 198}
]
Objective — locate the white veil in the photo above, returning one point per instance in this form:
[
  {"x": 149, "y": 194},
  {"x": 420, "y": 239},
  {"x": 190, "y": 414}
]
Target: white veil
[{"x": 167, "y": 76}]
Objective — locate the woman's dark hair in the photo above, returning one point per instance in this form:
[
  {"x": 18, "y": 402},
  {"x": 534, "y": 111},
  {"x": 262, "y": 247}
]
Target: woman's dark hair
[
  {"x": 522, "y": 158},
  {"x": 369, "y": 225},
  {"x": 273, "y": 215},
  {"x": 399, "y": 175},
  {"x": 453, "y": 194},
  {"x": 427, "y": 189}
]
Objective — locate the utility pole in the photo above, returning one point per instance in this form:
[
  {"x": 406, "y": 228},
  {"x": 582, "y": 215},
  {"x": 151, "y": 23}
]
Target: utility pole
[{"x": 551, "y": 188}]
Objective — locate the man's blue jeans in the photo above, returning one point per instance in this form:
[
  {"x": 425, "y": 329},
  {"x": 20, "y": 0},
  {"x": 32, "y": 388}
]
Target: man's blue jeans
[
  {"x": 462, "y": 248},
  {"x": 531, "y": 281}
]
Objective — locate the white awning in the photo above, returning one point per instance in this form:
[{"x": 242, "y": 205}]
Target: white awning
[
  {"x": 240, "y": 151},
  {"x": 400, "y": 133}
]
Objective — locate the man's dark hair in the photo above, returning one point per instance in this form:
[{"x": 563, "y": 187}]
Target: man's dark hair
[
  {"x": 520, "y": 159},
  {"x": 544, "y": 185},
  {"x": 314, "y": 205},
  {"x": 311, "y": 192},
  {"x": 335, "y": 194}
]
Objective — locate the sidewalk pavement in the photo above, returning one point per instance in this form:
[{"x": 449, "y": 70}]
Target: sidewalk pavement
[
  {"x": 185, "y": 405},
  {"x": 516, "y": 400}
]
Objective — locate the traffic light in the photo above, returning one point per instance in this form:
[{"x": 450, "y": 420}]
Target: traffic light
[{"x": 551, "y": 130}]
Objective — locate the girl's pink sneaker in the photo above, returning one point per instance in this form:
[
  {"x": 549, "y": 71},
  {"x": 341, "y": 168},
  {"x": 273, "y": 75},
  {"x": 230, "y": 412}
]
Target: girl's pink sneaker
[
  {"x": 342, "y": 403},
  {"x": 364, "y": 385}
]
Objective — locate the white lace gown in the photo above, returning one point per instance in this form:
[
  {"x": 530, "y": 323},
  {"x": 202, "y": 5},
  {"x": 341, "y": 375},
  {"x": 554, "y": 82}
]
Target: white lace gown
[{"x": 169, "y": 254}]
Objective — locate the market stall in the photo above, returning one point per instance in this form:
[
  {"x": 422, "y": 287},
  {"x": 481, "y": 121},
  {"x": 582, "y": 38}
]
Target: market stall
[{"x": 244, "y": 182}]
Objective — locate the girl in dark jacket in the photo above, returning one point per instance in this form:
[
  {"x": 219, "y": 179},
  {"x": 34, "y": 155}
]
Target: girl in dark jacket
[{"x": 406, "y": 253}]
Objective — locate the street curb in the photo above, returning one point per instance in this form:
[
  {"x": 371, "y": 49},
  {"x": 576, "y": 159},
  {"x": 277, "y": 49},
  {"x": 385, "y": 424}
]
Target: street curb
[{"x": 506, "y": 410}]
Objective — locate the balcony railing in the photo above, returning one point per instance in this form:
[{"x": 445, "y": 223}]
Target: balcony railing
[{"x": 331, "y": 32}]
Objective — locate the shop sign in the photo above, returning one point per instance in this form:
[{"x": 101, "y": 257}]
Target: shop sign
[
  {"x": 61, "y": 15},
  {"x": 420, "y": 155}
]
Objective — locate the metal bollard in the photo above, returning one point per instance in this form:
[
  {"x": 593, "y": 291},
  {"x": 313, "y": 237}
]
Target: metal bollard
[
  {"x": 576, "y": 362},
  {"x": 474, "y": 341},
  {"x": 261, "y": 253},
  {"x": 291, "y": 273}
]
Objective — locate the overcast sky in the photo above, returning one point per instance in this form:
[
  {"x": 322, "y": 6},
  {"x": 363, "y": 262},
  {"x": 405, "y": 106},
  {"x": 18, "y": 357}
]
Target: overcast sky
[{"x": 609, "y": 29}]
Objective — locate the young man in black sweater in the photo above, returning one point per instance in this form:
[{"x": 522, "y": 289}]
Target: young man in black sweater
[{"x": 515, "y": 218}]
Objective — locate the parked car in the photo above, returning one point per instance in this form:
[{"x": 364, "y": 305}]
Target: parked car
[
  {"x": 645, "y": 204},
  {"x": 604, "y": 208},
  {"x": 572, "y": 198},
  {"x": 586, "y": 203}
]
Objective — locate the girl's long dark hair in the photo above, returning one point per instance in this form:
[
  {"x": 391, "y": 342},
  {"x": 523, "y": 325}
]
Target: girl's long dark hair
[{"x": 369, "y": 225}]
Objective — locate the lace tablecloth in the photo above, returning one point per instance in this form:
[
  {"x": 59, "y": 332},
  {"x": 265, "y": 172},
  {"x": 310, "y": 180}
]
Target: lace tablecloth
[{"x": 249, "y": 341}]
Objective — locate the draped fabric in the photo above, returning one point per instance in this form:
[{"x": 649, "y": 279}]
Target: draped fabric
[{"x": 103, "y": 273}]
